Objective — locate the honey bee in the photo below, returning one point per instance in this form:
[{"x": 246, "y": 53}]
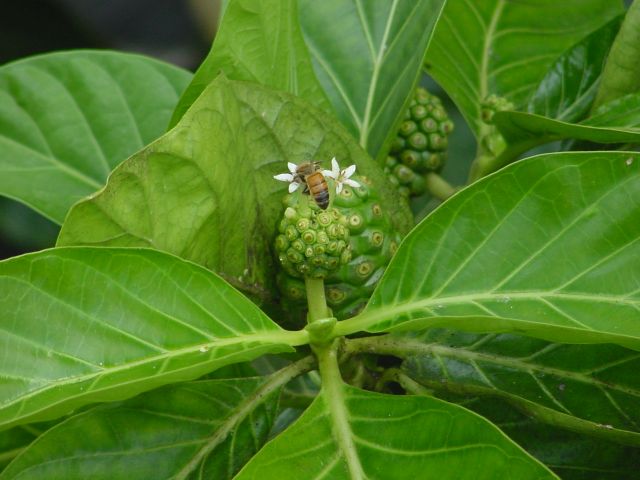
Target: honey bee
[{"x": 310, "y": 175}]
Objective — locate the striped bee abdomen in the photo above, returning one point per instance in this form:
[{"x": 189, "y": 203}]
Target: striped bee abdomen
[{"x": 318, "y": 189}]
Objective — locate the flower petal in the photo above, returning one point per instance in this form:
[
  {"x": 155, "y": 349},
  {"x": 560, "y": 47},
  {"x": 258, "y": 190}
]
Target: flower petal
[
  {"x": 338, "y": 188},
  {"x": 293, "y": 168},
  {"x": 347, "y": 172},
  {"x": 284, "y": 177},
  {"x": 352, "y": 183},
  {"x": 335, "y": 167},
  {"x": 293, "y": 187},
  {"x": 328, "y": 173}
]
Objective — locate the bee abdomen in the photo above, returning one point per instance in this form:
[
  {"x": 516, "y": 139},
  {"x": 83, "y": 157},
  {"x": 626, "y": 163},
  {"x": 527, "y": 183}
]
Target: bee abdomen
[
  {"x": 322, "y": 199},
  {"x": 318, "y": 189}
]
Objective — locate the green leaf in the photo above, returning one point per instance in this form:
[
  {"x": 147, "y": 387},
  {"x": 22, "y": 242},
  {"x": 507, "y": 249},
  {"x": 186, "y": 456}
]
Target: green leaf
[
  {"x": 203, "y": 429},
  {"x": 571, "y": 455},
  {"x": 523, "y": 131},
  {"x": 399, "y": 437},
  {"x": 505, "y": 48},
  {"x": 548, "y": 247},
  {"x": 623, "y": 112},
  {"x": 83, "y": 325},
  {"x": 367, "y": 56},
  {"x": 258, "y": 42},
  {"x": 14, "y": 441},
  {"x": 67, "y": 119},
  {"x": 621, "y": 74},
  {"x": 569, "y": 87},
  {"x": 591, "y": 388},
  {"x": 205, "y": 190},
  {"x": 614, "y": 123},
  {"x": 234, "y": 370}
]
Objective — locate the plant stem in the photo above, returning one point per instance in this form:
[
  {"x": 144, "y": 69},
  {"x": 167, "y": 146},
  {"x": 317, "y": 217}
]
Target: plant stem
[
  {"x": 411, "y": 386},
  {"x": 439, "y": 187},
  {"x": 384, "y": 345},
  {"x": 484, "y": 164},
  {"x": 316, "y": 300}
]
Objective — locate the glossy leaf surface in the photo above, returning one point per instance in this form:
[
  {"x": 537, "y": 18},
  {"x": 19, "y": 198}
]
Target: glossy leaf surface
[
  {"x": 615, "y": 122},
  {"x": 423, "y": 438},
  {"x": 622, "y": 112},
  {"x": 569, "y": 87},
  {"x": 505, "y": 48},
  {"x": 67, "y": 119},
  {"x": 548, "y": 247},
  {"x": 589, "y": 387},
  {"x": 367, "y": 56},
  {"x": 570, "y": 455},
  {"x": 82, "y": 325},
  {"x": 205, "y": 191},
  {"x": 203, "y": 429},
  {"x": 524, "y": 131},
  {"x": 258, "y": 42}
]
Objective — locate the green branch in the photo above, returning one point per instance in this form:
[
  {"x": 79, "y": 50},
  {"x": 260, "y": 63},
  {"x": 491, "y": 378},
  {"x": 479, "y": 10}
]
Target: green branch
[
  {"x": 316, "y": 299},
  {"x": 439, "y": 187}
]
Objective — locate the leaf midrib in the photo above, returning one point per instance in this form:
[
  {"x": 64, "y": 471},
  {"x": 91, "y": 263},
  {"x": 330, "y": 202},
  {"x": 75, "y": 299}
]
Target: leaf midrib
[
  {"x": 244, "y": 410},
  {"x": 364, "y": 131},
  {"x": 55, "y": 162},
  {"x": 285, "y": 338},
  {"x": 370, "y": 316},
  {"x": 334, "y": 398},
  {"x": 414, "y": 347}
]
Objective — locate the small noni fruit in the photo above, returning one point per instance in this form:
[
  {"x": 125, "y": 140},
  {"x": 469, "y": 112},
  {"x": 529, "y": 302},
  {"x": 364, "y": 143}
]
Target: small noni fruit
[
  {"x": 372, "y": 242},
  {"x": 420, "y": 145}
]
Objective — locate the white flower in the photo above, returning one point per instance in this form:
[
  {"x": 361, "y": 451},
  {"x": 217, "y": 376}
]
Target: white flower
[
  {"x": 292, "y": 178},
  {"x": 341, "y": 176}
]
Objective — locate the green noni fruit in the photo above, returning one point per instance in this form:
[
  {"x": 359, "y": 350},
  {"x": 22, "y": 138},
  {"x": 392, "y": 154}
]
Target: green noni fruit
[
  {"x": 312, "y": 242},
  {"x": 420, "y": 145},
  {"x": 492, "y": 142},
  {"x": 372, "y": 242}
]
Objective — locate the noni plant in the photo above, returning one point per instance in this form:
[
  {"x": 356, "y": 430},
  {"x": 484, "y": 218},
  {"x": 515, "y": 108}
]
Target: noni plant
[{"x": 199, "y": 318}]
